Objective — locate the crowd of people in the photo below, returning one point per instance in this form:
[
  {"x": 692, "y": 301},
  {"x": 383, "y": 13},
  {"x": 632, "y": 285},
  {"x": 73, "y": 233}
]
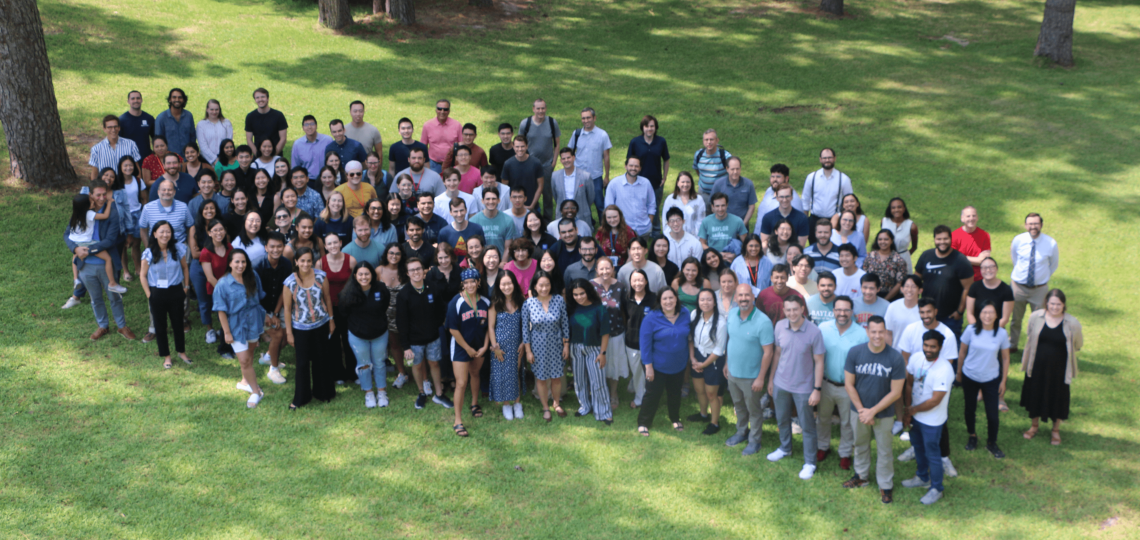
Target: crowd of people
[{"x": 449, "y": 263}]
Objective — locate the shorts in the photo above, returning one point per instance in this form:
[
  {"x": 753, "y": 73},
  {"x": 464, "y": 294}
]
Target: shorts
[
  {"x": 131, "y": 222},
  {"x": 431, "y": 350},
  {"x": 240, "y": 346},
  {"x": 714, "y": 374}
]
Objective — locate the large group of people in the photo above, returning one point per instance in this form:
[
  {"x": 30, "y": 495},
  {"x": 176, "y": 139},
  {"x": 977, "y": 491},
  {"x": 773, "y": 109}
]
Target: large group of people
[{"x": 450, "y": 264}]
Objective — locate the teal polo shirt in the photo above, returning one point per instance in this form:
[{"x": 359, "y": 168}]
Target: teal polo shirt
[
  {"x": 837, "y": 346},
  {"x": 746, "y": 339}
]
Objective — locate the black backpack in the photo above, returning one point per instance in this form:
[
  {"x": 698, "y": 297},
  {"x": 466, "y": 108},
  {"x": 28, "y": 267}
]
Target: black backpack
[
  {"x": 525, "y": 128},
  {"x": 701, "y": 154}
]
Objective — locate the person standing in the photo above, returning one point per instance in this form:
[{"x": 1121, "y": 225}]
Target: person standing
[
  {"x": 912, "y": 344},
  {"x": 722, "y": 231},
  {"x": 779, "y": 175},
  {"x": 869, "y": 303},
  {"x": 653, "y": 152},
  {"x": 237, "y": 300},
  {"x": 1050, "y": 363},
  {"x": 108, "y": 152},
  {"x": 362, "y": 132},
  {"x": 401, "y": 150},
  {"x": 824, "y": 252},
  {"x": 589, "y": 340},
  {"x": 572, "y": 183},
  {"x": 874, "y": 374},
  {"x": 821, "y": 306},
  {"x": 948, "y": 276},
  {"x": 524, "y": 170},
  {"x": 1035, "y": 259},
  {"x": 989, "y": 289},
  {"x": 970, "y": 240},
  {"x": 796, "y": 380},
  {"x": 928, "y": 383},
  {"x": 665, "y": 354},
  {"x": 467, "y": 320},
  {"x": 439, "y": 134},
  {"x": 884, "y": 261},
  {"x": 545, "y": 327},
  {"x": 740, "y": 190},
  {"x": 272, "y": 271},
  {"x": 638, "y": 304},
  {"x": 984, "y": 368},
  {"x": 420, "y": 313},
  {"x": 166, "y": 272},
  {"x": 136, "y": 124},
  {"x": 460, "y": 230},
  {"x": 749, "y": 331},
  {"x": 592, "y": 147},
  {"x": 708, "y": 340},
  {"x": 478, "y": 156},
  {"x": 309, "y": 328},
  {"x": 506, "y": 345},
  {"x": 176, "y": 123},
  {"x": 212, "y": 130},
  {"x": 542, "y": 133},
  {"x": 356, "y": 192},
  {"x": 638, "y": 253},
  {"x": 710, "y": 162},
  {"x": 825, "y": 188},
  {"x": 840, "y": 335},
  {"x": 634, "y": 195},
  {"x": 266, "y": 123},
  {"x": 309, "y": 151},
  {"x": 771, "y": 299},
  {"x": 897, "y": 220},
  {"x": 364, "y": 302},
  {"x": 688, "y": 201},
  {"x": 766, "y": 223}
]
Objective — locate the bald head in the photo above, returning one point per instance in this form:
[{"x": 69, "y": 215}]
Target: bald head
[
  {"x": 744, "y": 297},
  {"x": 166, "y": 190}
]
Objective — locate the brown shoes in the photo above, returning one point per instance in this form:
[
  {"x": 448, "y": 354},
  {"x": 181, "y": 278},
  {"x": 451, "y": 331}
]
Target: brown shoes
[
  {"x": 99, "y": 333},
  {"x": 149, "y": 337},
  {"x": 126, "y": 333}
]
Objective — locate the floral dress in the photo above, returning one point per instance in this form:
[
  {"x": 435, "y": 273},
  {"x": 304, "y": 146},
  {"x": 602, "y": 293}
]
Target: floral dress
[
  {"x": 505, "y": 375},
  {"x": 544, "y": 330}
]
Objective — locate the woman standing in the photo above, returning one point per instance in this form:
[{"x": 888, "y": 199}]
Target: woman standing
[
  {"x": 711, "y": 265},
  {"x": 167, "y": 281},
  {"x": 491, "y": 270},
  {"x": 339, "y": 268},
  {"x": 332, "y": 161},
  {"x": 393, "y": 273},
  {"x": 212, "y": 261},
  {"x": 305, "y": 227},
  {"x": 521, "y": 263},
  {"x": 364, "y": 307},
  {"x": 897, "y": 220},
  {"x": 467, "y": 321},
  {"x": 665, "y": 354},
  {"x": 444, "y": 279},
  {"x": 689, "y": 283},
  {"x": 469, "y": 177},
  {"x": 327, "y": 177},
  {"x": 506, "y": 345},
  {"x": 266, "y": 156},
  {"x": 546, "y": 335},
  {"x": 262, "y": 198},
  {"x": 661, "y": 257},
  {"x": 726, "y": 296},
  {"x": 536, "y": 232},
  {"x": 549, "y": 264},
  {"x": 777, "y": 252},
  {"x": 474, "y": 257},
  {"x": 128, "y": 191},
  {"x": 803, "y": 276},
  {"x": 990, "y": 289},
  {"x": 983, "y": 344},
  {"x": 251, "y": 240},
  {"x": 199, "y": 238},
  {"x": 611, "y": 295},
  {"x": 227, "y": 157},
  {"x": 308, "y": 328},
  {"x": 1050, "y": 363},
  {"x": 851, "y": 204},
  {"x": 614, "y": 236},
  {"x": 639, "y": 303},
  {"x": 846, "y": 234},
  {"x": 151, "y": 166},
  {"x": 237, "y": 299},
  {"x": 212, "y": 130},
  {"x": 589, "y": 339},
  {"x": 194, "y": 165},
  {"x": 234, "y": 220},
  {"x": 686, "y": 198},
  {"x": 708, "y": 338},
  {"x": 888, "y": 264}
]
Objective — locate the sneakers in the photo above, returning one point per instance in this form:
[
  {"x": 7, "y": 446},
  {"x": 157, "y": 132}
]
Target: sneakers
[
  {"x": 698, "y": 417},
  {"x": 421, "y": 401},
  {"x": 905, "y": 437},
  {"x": 972, "y": 443},
  {"x": 265, "y": 359},
  {"x": 518, "y": 411},
  {"x": 845, "y": 463},
  {"x": 777, "y": 455},
  {"x": 896, "y": 428},
  {"x": 684, "y": 391},
  {"x": 997, "y": 453},
  {"x": 211, "y": 337},
  {"x": 907, "y": 455},
  {"x": 807, "y": 472},
  {"x": 148, "y": 337},
  {"x": 931, "y": 497},
  {"x": 275, "y": 376},
  {"x": 442, "y": 401},
  {"x": 71, "y": 302},
  {"x": 752, "y": 448},
  {"x": 768, "y": 414},
  {"x": 508, "y": 412},
  {"x": 856, "y": 482},
  {"x": 427, "y": 387},
  {"x": 244, "y": 387},
  {"x": 915, "y": 482},
  {"x": 737, "y": 438},
  {"x": 121, "y": 290},
  {"x": 401, "y": 380},
  {"x": 711, "y": 429},
  {"x": 226, "y": 355},
  {"x": 369, "y": 400},
  {"x": 381, "y": 399},
  {"x": 948, "y": 468}
]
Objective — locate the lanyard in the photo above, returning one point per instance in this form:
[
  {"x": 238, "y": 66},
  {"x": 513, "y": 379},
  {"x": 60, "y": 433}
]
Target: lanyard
[
  {"x": 753, "y": 271},
  {"x": 415, "y": 182},
  {"x": 356, "y": 195}
]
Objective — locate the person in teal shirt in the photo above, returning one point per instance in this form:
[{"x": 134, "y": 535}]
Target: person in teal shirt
[
  {"x": 839, "y": 336},
  {"x": 822, "y": 304},
  {"x": 722, "y": 231},
  {"x": 749, "y": 354}
]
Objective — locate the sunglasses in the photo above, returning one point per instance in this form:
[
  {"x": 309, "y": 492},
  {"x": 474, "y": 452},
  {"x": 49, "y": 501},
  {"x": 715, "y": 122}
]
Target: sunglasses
[
  {"x": 443, "y": 108},
  {"x": 354, "y": 174}
]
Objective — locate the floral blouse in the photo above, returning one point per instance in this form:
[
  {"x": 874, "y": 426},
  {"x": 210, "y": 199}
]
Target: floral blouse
[{"x": 891, "y": 271}]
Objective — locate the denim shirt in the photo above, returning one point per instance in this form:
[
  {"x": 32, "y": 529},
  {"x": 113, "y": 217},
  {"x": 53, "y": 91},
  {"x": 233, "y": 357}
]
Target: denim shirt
[{"x": 246, "y": 316}]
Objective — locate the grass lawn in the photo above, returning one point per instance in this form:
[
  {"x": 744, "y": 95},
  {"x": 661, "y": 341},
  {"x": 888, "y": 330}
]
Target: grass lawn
[{"x": 100, "y": 442}]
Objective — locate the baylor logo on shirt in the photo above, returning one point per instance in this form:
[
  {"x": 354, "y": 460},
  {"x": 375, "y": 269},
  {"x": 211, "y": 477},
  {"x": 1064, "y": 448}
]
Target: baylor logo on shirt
[
  {"x": 431, "y": 298},
  {"x": 377, "y": 296}
]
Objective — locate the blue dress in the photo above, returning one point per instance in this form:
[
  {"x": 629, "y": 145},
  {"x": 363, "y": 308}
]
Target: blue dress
[
  {"x": 544, "y": 330},
  {"x": 246, "y": 316},
  {"x": 505, "y": 374}
]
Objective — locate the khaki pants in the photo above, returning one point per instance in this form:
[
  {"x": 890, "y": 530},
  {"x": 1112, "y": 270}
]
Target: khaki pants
[
  {"x": 830, "y": 398},
  {"x": 884, "y": 464},
  {"x": 747, "y": 406},
  {"x": 1034, "y": 296}
]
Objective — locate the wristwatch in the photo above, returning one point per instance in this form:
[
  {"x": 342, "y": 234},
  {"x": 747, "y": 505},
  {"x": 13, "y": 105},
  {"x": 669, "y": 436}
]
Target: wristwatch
[{"x": 819, "y": 388}]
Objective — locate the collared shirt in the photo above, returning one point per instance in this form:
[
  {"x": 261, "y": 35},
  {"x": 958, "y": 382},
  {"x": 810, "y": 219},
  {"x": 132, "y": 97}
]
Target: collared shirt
[
  {"x": 272, "y": 280},
  {"x": 688, "y": 246},
  {"x": 801, "y": 223},
  {"x": 710, "y": 167},
  {"x": 177, "y": 214},
  {"x": 746, "y": 341},
  {"x": 439, "y": 137},
  {"x": 636, "y": 201},
  {"x": 1045, "y": 261},
  {"x": 583, "y": 228},
  {"x": 166, "y": 272},
  {"x": 244, "y": 312},
  {"x": 310, "y": 155},
  {"x": 795, "y": 372},
  {"x": 184, "y": 188},
  {"x": 579, "y": 270},
  {"x": 312, "y": 202},
  {"x": 196, "y": 203},
  {"x": 823, "y": 193},
  {"x": 837, "y": 346},
  {"x": 103, "y": 155},
  {"x": 740, "y": 196},
  {"x": 349, "y": 150},
  {"x": 178, "y": 133},
  {"x": 705, "y": 340},
  {"x": 210, "y": 137},
  {"x": 768, "y": 202},
  {"x": 443, "y": 205},
  {"x": 588, "y": 149},
  {"x": 829, "y": 262},
  {"x": 652, "y": 156}
]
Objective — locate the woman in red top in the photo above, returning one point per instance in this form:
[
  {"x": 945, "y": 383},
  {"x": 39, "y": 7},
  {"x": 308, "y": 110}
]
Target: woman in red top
[
  {"x": 152, "y": 166},
  {"x": 614, "y": 236},
  {"x": 337, "y": 266},
  {"x": 213, "y": 259}
]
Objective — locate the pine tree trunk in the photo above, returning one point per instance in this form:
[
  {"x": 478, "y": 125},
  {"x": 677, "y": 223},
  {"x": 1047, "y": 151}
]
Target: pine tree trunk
[
  {"x": 402, "y": 11},
  {"x": 28, "y": 110},
  {"x": 334, "y": 14},
  {"x": 378, "y": 7},
  {"x": 834, "y": 7},
  {"x": 481, "y": 3},
  {"x": 1056, "y": 38}
]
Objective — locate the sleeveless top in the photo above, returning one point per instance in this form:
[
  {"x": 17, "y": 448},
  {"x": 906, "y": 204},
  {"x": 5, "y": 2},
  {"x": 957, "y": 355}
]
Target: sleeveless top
[
  {"x": 336, "y": 279},
  {"x": 687, "y": 300}
]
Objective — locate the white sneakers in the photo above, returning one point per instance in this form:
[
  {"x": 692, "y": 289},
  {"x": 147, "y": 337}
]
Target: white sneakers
[
  {"x": 71, "y": 302},
  {"x": 807, "y": 472},
  {"x": 121, "y": 290},
  {"x": 948, "y": 468},
  {"x": 518, "y": 410},
  {"x": 897, "y": 428},
  {"x": 381, "y": 399},
  {"x": 777, "y": 455},
  {"x": 211, "y": 336},
  {"x": 508, "y": 412},
  {"x": 265, "y": 360},
  {"x": 427, "y": 387},
  {"x": 907, "y": 454},
  {"x": 369, "y": 400},
  {"x": 275, "y": 376},
  {"x": 401, "y": 380}
]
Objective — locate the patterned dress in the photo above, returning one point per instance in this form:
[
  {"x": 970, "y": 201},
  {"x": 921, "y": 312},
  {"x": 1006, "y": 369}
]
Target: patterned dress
[
  {"x": 544, "y": 330},
  {"x": 617, "y": 364},
  {"x": 505, "y": 374},
  {"x": 891, "y": 270}
]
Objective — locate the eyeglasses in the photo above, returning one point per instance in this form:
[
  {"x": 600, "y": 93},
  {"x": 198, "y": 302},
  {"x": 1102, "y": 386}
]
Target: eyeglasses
[
  {"x": 443, "y": 108},
  {"x": 416, "y": 269},
  {"x": 371, "y": 163},
  {"x": 283, "y": 216}
]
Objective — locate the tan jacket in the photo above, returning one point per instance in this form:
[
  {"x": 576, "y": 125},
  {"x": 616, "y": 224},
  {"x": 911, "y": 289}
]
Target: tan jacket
[{"x": 1074, "y": 340}]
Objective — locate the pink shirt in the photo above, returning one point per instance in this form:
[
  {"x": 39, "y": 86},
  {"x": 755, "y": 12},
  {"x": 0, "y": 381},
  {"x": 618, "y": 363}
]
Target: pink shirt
[
  {"x": 522, "y": 276},
  {"x": 468, "y": 182},
  {"x": 439, "y": 137}
]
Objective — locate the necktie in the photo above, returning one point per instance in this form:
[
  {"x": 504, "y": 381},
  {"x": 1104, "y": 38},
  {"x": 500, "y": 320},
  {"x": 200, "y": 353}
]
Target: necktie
[{"x": 1031, "y": 280}]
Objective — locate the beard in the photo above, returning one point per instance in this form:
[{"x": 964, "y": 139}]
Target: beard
[{"x": 829, "y": 165}]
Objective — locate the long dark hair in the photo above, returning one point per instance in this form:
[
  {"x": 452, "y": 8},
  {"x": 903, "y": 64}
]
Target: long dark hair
[
  {"x": 209, "y": 226},
  {"x": 681, "y": 281},
  {"x": 540, "y": 273},
  {"x": 243, "y": 236},
  {"x": 906, "y": 209},
  {"x": 997, "y": 310},
  {"x": 222, "y": 157},
  {"x": 499, "y": 300},
  {"x": 120, "y": 180},
  {"x": 385, "y": 216},
  {"x": 352, "y": 294},
  {"x": 297, "y": 256},
  {"x": 156, "y": 248},
  {"x": 80, "y": 204},
  {"x": 700, "y": 315},
  {"x": 200, "y": 222},
  {"x": 402, "y": 266},
  {"x": 705, "y": 268},
  {"x": 774, "y": 246},
  {"x": 591, "y": 294},
  {"x": 676, "y": 308},
  {"x": 248, "y": 277}
]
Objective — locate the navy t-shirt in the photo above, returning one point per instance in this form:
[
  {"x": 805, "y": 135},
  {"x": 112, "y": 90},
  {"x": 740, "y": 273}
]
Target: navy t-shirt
[
  {"x": 651, "y": 156},
  {"x": 525, "y": 174},
  {"x": 138, "y": 129},
  {"x": 398, "y": 153},
  {"x": 801, "y": 225},
  {"x": 184, "y": 191},
  {"x": 471, "y": 323}
]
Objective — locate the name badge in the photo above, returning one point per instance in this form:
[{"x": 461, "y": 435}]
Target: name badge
[
  {"x": 614, "y": 259},
  {"x": 163, "y": 283},
  {"x": 431, "y": 298}
]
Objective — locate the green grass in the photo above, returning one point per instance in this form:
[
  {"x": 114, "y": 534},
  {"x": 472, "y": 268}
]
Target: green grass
[{"x": 100, "y": 442}]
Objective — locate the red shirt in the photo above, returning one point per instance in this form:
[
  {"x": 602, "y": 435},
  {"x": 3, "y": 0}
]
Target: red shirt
[
  {"x": 971, "y": 245},
  {"x": 217, "y": 264},
  {"x": 154, "y": 165},
  {"x": 772, "y": 304}
]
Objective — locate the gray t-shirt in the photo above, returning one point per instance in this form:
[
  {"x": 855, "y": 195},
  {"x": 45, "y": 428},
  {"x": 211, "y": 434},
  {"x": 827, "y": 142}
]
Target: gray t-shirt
[
  {"x": 367, "y": 135},
  {"x": 983, "y": 352},
  {"x": 874, "y": 373},
  {"x": 539, "y": 142},
  {"x": 864, "y": 311}
]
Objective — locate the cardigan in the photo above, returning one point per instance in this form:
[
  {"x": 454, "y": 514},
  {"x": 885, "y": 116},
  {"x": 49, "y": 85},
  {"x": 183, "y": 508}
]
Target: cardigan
[{"x": 1074, "y": 340}]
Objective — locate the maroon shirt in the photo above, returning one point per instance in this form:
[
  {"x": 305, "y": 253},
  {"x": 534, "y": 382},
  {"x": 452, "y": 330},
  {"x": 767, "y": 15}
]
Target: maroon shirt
[{"x": 772, "y": 304}]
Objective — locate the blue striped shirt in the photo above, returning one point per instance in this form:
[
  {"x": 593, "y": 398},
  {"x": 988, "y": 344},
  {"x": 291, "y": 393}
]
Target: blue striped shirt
[
  {"x": 103, "y": 156},
  {"x": 177, "y": 214},
  {"x": 168, "y": 269},
  {"x": 710, "y": 167}
]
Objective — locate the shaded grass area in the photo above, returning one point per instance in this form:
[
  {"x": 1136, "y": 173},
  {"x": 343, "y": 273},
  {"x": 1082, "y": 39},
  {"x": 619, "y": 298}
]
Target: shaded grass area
[{"x": 101, "y": 442}]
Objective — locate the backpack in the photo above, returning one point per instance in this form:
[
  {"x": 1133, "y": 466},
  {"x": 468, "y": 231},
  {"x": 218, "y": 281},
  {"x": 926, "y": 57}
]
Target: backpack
[
  {"x": 525, "y": 128},
  {"x": 701, "y": 154}
]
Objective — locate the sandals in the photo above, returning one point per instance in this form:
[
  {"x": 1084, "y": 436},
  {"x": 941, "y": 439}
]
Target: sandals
[
  {"x": 1056, "y": 439},
  {"x": 546, "y": 416},
  {"x": 632, "y": 405},
  {"x": 1002, "y": 407},
  {"x": 678, "y": 426},
  {"x": 253, "y": 400},
  {"x": 476, "y": 411},
  {"x": 460, "y": 430},
  {"x": 188, "y": 361},
  {"x": 292, "y": 407},
  {"x": 167, "y": 364},
  {"x": 560, "y": 411},
  {"x": 644, "y": 431},
  {"x": 1030, "y": 434}
]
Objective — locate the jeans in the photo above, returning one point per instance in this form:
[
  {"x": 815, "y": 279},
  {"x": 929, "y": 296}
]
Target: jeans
[
  {"x": 659, "y": 193},
  {"x": 167, "y": 303},
  {"x": 313, "y": 377},
  {"x": 370, "y": 355},
  {"x": 435, "y": 166},
  {"x": 989, "y": 390},
  {"x": 927, "y": 455},
  {"x": 662, "y": 383},
  {"x": 94, "y": 279},
  {"x": 599, "y": 199},
  {"x": 205, "y": 301},
  {"x": 784, "y": 401}
]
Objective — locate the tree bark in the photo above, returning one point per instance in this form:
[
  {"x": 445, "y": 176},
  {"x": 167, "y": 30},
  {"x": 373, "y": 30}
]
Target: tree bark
[
  {"x": 834, "y": 7},
  {"x": 378, "y": 7},
  {"x": 334, "y": 14},
  {"x": 1056, "y": 38},
  {"x": 481, "y": 3},
  {"x": 402, "y": 11},
  {"x": 28, "y": 110}
]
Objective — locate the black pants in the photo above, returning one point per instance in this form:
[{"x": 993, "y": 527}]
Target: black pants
[
  {"x": 315, "y": 372},
  {"x": 342, "y": 361},
  {"x": 670, "y": 385},
  {"x": 168, "y": 303},
  {"x": 989, "y": 390}
]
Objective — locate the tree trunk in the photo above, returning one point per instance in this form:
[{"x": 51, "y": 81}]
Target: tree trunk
[
  {"x": 28, "y": 110},
  {"x": 378, "y": 7},
  {"x": 834, "y": 7},
  {"x": 1056, "y": 38},
  {"x": 402, "y": 11},
  {"x": 334, "y": 14},
  {"x": 481, "y": 3}
]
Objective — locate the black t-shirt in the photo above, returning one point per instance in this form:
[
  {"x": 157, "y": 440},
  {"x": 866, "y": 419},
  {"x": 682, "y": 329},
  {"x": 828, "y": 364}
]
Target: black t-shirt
[
  {"x": 265, "y": 126},
  {"x": 942, "y": 279},
  {"x": 998, "y": 295},
  {"x": 497, "y": 156},
  {"x": 525, "y": 174},
  {"x": 138, "y": 129},
  {"x": 398, "y": 154},
  {"x": 273, "y": 281},
  {"x": 426, "y": 253}
]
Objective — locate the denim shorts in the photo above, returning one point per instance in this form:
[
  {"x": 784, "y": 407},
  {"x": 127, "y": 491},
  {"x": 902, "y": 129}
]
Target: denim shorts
[{"x": 431, "y": 350}]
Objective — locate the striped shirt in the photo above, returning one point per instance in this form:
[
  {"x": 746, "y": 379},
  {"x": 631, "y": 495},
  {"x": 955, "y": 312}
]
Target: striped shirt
[
  {"x": 710, "y": 167},
  {"x": 177, "y": 214},
  {"x": 103, "y": 156}
]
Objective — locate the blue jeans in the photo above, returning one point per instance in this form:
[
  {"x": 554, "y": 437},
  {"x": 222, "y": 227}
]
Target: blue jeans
[
  {"x": 599, "y": 199},
  {"x": 927, "y": 453},
  {"x": 205, "y": 301},
  {"x": 658, "y": 193},
  {"x": 369, "y": 353},
  {"x": 94, "y": 279},
  {"x": 435, "y": 166}
]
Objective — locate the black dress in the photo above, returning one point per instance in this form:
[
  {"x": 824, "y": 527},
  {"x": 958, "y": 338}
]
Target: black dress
[{"x": 1045, "y": 395}]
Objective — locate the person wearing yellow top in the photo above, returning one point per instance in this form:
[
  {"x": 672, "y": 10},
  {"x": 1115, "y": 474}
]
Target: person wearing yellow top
[{"x": 356, "y": 193}]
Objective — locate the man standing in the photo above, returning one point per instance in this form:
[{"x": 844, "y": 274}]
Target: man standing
[
  {"x": 478, "y": 155},
  {"x": 176, "y": 123},
  {"x": 401, "y": 150},
  {"x": 415, "y": 246},
  {"x": 797, "y": 379},
  {"x": 592, "y": 147},
  {"x": 785, "y": 210},
  {"x": 164, "y": 207},
  {"x": 137, "y": 125},
  {"x": 208, "y": 191},
  {"x": 569, "y": 210},
  {"x": 419, "y": 315},
  {"x": 518, "y": 211},
  {"x": 309, "y": 151},
  {"x": 273, "y": 270},
  {"x": 498, "y": 228},
  {"x": 571, "y": 183},
  {"x": 309, "y": 199},
  {"x": 362, "y": 247},
  {"x": 184, "y": 186},
  {"x": 653, "y": 152},
  {"x": 565, "y": 250},
  {"x": 93, "y": 275},
  {"x": 638, "y": 253},
  {"x": 847, "y": 279},
  {"x": 778, "y": 176},
  {"x": 524, "y": 171},
  {"x": 874, "y": 374},
  {"x": 970, "y": 240},
  {"x": 491, "y": 184},
  {"x": 821, "y": 306},
  {"x": 498, "y": 154},
  {"x": 451, "y": 192},
  {"x": 423, "y": 178},
  {"x": 362, "y": 132},
  {"x": 928, "y": 382},
  {"x": 823, "y": 253},
  {"x": 355, "y": 192},
  {"x": 347, "y": 149},
  {"x": 722, "y": 231},
  {"x": 107, "y": 152},
  {"x": 741, "y": 193},
  {"x": 912, "y": 345},
  {"x": 839, "y": 336},
  {"x": 870, "y": 303},
  {"x": 947, "y": 276},
  {"x": 749, "y": 332},
  {"x": 440, "y": 134},
  {"x": 542, "y": 134},
  {"x": 682, "y": 244},
  {"x": 587, "y": 267},
  {"x": 243, "y": 173},
  {"x": 825, "y": 188},
  {"x": 459, "y": 230},
  {"x": 710, "y": 162},
  {"x": 900, "y": 314},
  {"x": 1035, "y": 259},
  {"x": 771, "y": 299},
  {"x": 266, "y": 123},
  {"x": 633, "y": 194}
]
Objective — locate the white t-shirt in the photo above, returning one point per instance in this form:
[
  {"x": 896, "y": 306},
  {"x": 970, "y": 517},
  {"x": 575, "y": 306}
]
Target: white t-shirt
[
  {"x": 443, "y": 206},
  {"x": 982, "y": 362},
  {"x": 84, "y": 236},
  {"x": 899, "y": 317},
  {"x": 258, "y": 164},
  {"x": 912, "y": 341},
  {"x": 848, "y": 285},
  {"x": 931, "y": 377},
  {"x": 132, "y": 188}
]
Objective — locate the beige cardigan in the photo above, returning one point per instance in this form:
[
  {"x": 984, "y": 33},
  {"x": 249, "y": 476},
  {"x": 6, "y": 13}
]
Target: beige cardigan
[{"x": 1074, "y": 340}]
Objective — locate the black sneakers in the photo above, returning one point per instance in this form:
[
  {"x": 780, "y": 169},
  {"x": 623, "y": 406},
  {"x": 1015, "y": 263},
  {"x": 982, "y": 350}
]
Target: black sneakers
[{"x": 421, "y": 401}]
